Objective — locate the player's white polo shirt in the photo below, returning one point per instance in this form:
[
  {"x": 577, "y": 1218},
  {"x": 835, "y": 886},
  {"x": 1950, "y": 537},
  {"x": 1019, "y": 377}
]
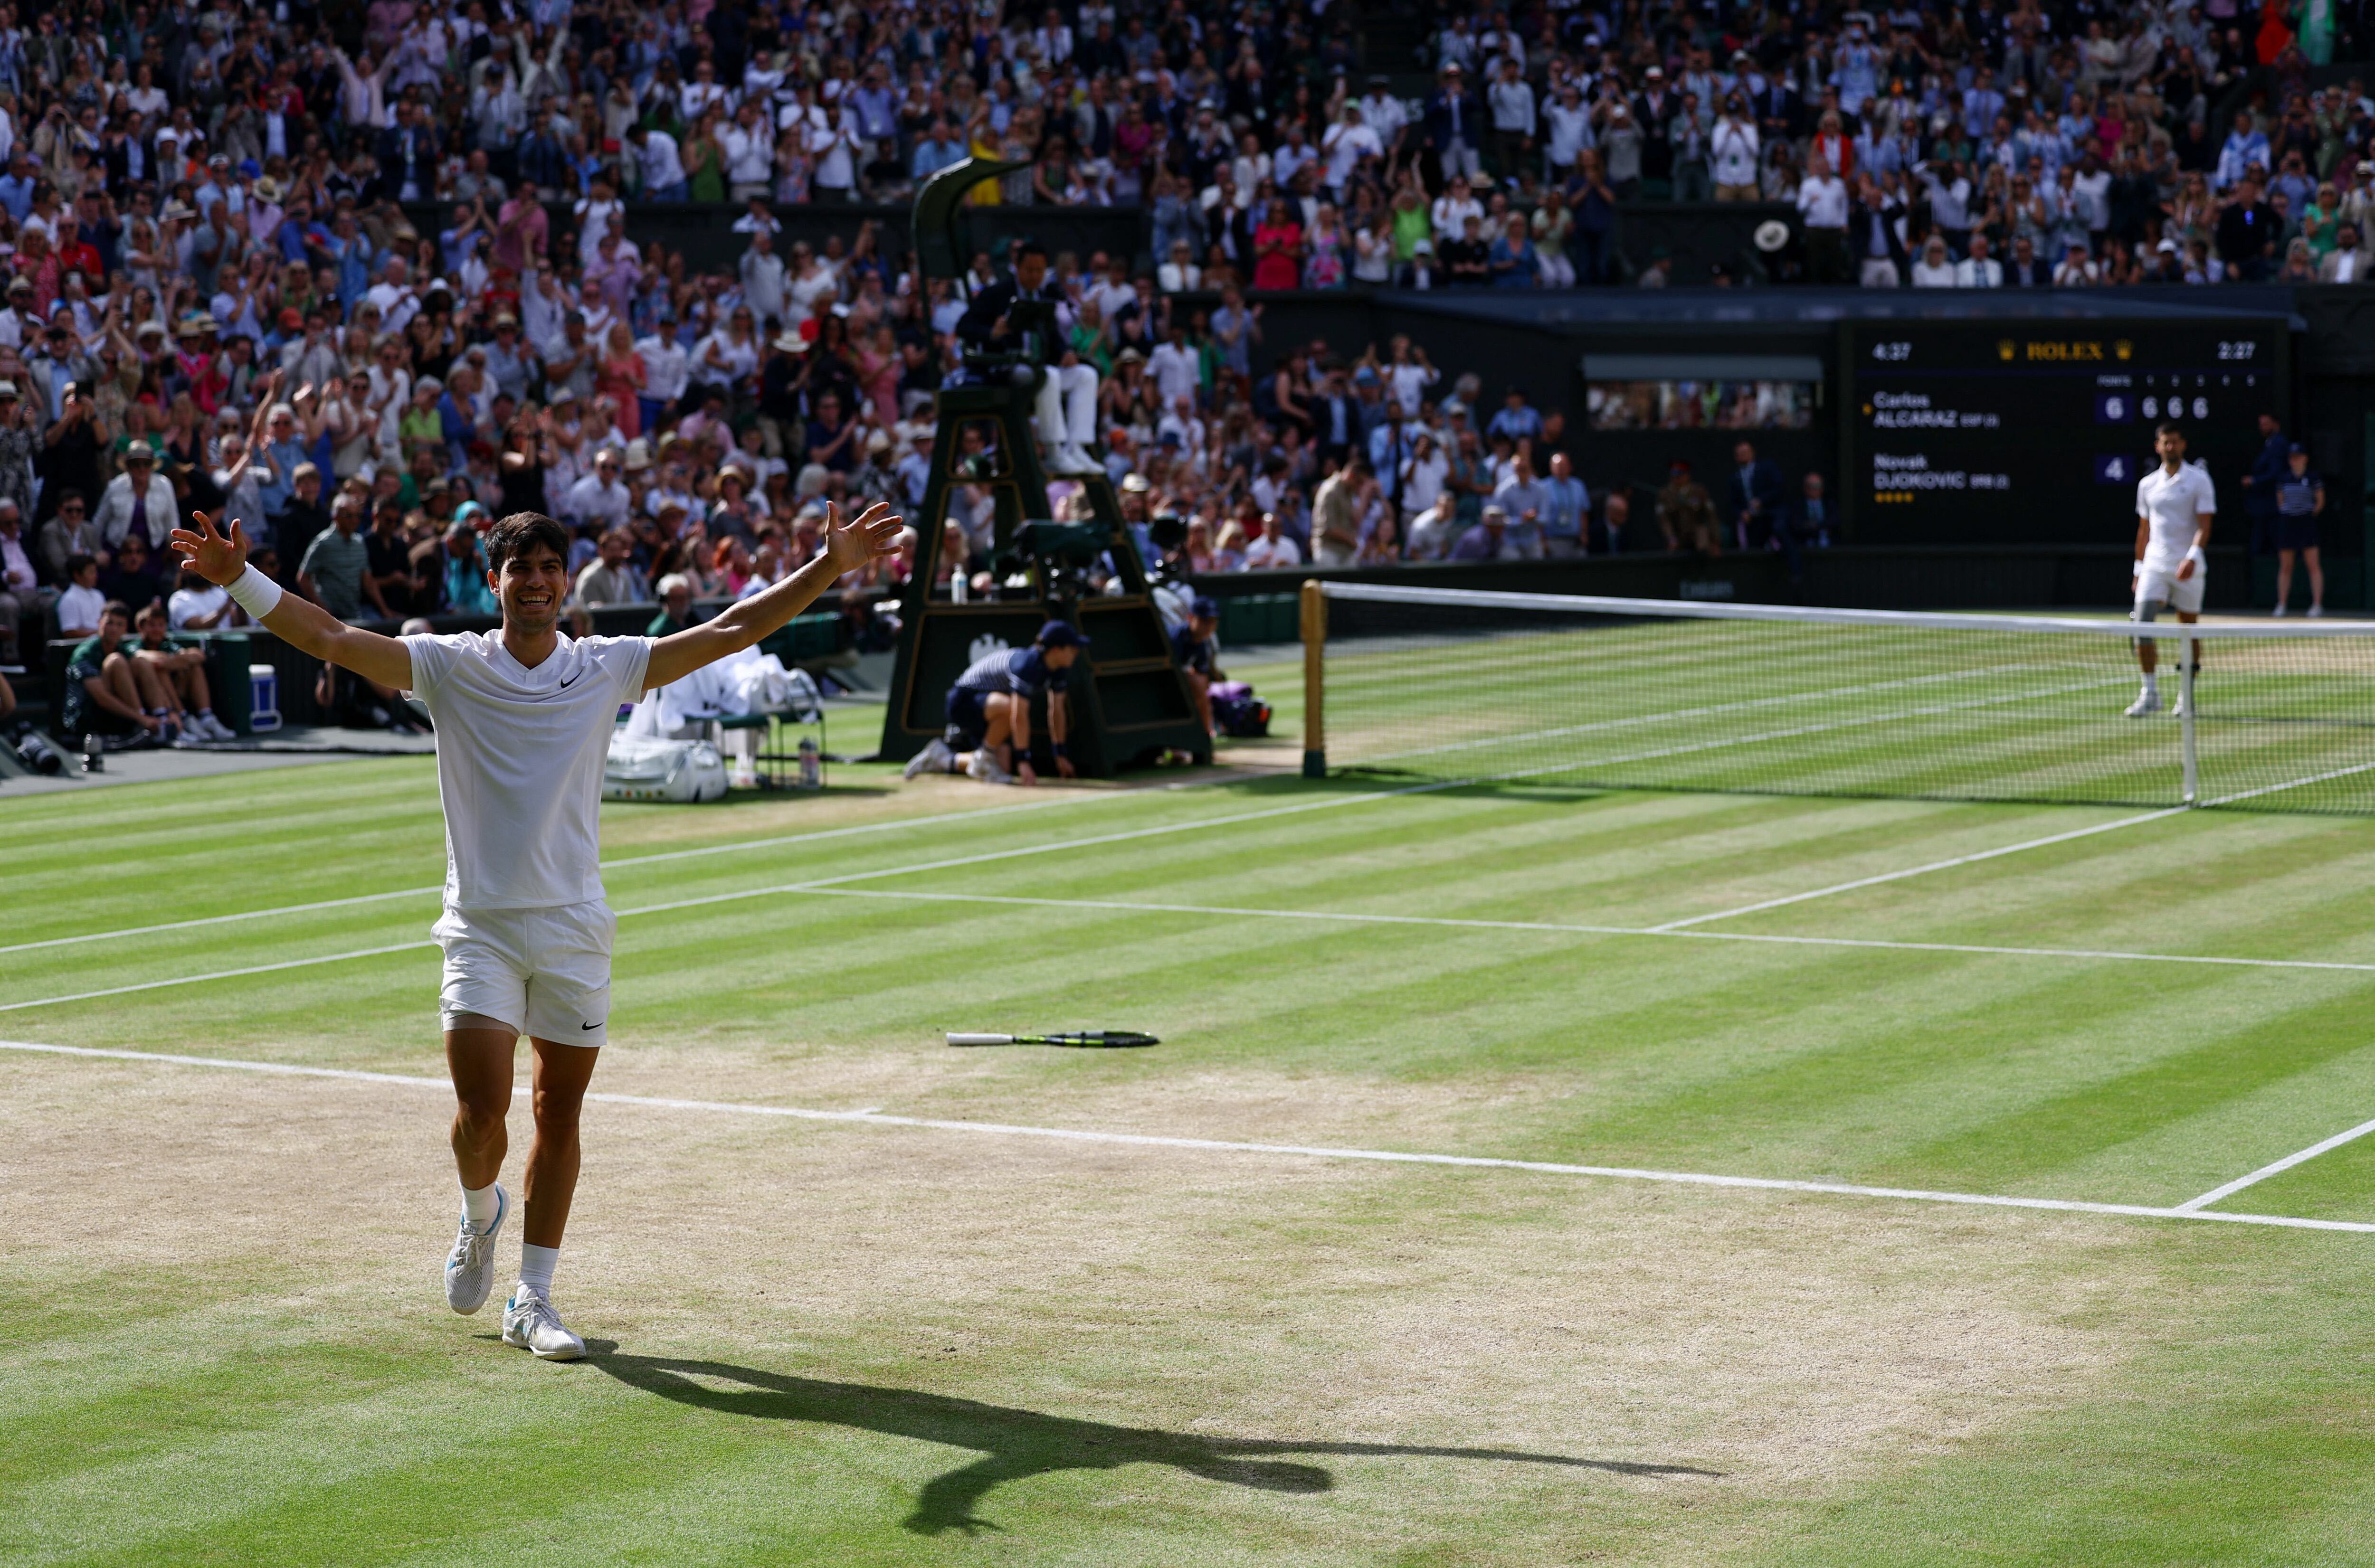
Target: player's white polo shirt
[
  {"x": 520, "y": 754},
  {"x": 2170, "y": 505}
]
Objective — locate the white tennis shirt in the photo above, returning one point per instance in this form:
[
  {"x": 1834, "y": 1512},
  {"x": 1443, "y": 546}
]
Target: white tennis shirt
[
  {"x": 2170, "y": 503},
  {"x": 519, "y": 761}
]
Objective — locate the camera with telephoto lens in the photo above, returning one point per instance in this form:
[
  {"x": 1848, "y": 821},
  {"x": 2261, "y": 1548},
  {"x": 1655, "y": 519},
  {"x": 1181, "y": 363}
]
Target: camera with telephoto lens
[
  {"x": 34, "y": 752},
  {"x": 1167, "y": 533}
]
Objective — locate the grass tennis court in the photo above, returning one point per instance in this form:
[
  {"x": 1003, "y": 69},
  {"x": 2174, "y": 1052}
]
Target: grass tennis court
[
  {"x": 1434, "y": 684},
  {"x": 855, "y": 1338}
]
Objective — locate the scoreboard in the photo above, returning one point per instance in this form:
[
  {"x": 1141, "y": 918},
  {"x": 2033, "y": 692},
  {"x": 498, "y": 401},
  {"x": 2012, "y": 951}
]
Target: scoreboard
[{"x": 2035, "y": 430}]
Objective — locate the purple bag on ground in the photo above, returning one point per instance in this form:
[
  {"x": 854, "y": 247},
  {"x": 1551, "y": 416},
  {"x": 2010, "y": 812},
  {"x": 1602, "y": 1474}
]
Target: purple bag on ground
[{"x": 1238, "y": 712}]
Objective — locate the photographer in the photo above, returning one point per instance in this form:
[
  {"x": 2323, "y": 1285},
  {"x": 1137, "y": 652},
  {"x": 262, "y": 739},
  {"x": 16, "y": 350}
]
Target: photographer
[
  {"x": 988, "y": 736},
  {"x": 70, "y": 455}
]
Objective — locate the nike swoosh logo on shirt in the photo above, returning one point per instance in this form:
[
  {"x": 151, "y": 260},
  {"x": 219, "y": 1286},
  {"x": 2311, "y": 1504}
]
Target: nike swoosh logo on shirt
[{"x": 565, "y": 685}]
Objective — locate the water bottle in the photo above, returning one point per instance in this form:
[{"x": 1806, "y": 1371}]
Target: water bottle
[
  {"x": 811, "y": 764},
  {"x": 94, "y": 756}
]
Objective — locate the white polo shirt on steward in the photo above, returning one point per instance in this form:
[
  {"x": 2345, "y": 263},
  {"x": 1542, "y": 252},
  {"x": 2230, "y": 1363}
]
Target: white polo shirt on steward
[{"x": 520, "y": 754}]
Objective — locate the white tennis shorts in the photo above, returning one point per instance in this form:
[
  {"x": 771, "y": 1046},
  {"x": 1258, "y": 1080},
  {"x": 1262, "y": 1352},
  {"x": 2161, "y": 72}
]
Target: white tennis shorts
[
  {"x": 2163, "y": 587},
  {"x": 545, "y": 972}
]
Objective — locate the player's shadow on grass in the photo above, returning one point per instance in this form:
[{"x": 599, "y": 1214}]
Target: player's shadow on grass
[{"x": 1016, "y": 1444}]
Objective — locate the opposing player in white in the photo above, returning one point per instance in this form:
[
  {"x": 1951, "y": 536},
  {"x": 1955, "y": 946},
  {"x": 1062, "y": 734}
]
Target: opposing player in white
[
  {"x": 524, "y": 721},
  {"x": 2174, "y": 506}
]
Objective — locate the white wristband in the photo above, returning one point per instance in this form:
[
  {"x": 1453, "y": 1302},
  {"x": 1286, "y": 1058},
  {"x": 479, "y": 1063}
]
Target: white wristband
[
  {"x": 2195, "y": 556},
  {"x": 255, "y": 594}
]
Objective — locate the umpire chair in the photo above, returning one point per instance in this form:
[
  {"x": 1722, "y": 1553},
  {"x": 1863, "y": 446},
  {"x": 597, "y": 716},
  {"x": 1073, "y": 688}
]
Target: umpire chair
[{"x": 1128, "y": 698}]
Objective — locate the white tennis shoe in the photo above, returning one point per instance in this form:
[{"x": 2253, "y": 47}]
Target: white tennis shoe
[
  {"x": 2145, "y": 703},
  {"x": 530, "y": 1322},
  {"x": 984, "y": 768},
  {"x": 934, "y": 758},
  {"x": 470, "y": 1266}
]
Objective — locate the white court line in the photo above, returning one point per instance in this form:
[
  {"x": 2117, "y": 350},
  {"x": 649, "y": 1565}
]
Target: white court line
[
  {"x": 1070, "y": 798},
  {"x": 827, "y": 888},
  {"x": 2013, "y": 848},
  {"x": 1925, "y": 870},
  {"x": 218, "y": 975},
  {"x": 2111, "y": 954},
  {"x": 1324, "y": 803},
  {"x": 2287, "y": 1163},
  {"x": 1708, "y": 711},
  {"x": 221, "y": 919},
  {"x": 1793, "y": 733},
  {"x": 2290, "y": 784},
  {"x": 1232, "y": 1146},
  {"x": 816, "y": 884},
  {"x": 1360, "y": 797},
  {"x": 1570, "y": 928}
]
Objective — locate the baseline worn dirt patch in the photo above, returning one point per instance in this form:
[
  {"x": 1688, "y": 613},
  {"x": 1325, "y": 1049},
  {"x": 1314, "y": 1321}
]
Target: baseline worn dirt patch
[{"x": 1785, "y": 1344}]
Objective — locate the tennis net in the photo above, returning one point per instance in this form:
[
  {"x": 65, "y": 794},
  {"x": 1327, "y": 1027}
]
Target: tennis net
[{"x": 1445, "y": 684}]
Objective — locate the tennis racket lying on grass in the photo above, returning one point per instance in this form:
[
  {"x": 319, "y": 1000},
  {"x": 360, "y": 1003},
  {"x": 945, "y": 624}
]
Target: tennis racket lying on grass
[{"x": 1093, "y": 1040}]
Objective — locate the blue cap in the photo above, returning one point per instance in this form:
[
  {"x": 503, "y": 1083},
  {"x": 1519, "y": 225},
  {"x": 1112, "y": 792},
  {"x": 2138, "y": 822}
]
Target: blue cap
[
  {"x": 1060, "y": 634},
  {"x": 2298, "y": 449},
  {"x": 250, "y": 168},
  {"x": 1205, "y": 606}
]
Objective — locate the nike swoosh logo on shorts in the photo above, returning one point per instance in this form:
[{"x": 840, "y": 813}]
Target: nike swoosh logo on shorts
[{"x": 589, "y": 1026}]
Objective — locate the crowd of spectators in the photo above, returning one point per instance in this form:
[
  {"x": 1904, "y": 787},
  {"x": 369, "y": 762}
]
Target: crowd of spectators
[
  {"x": 1381, "y": 458},
  {"x": 223, "y": 288},
  {"x": 1934, "y": 144},
  {"x": 2025, "y": 153},
  {"x": 1925, "y": 145}
]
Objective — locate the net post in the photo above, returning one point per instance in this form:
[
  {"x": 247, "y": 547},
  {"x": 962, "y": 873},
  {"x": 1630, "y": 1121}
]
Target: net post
[
  {"x": 1315, "y": 647},
  {"x": 2185, "y": 653}
]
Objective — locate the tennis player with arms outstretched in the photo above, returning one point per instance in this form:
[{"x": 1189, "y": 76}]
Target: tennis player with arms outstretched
[
  {"x": 524, "y": 720},
  {"x": 2174, "y": 506}
]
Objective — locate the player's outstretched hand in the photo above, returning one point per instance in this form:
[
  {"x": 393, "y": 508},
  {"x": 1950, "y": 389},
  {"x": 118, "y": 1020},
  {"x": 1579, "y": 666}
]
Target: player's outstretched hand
[
  {"x": 219, "y": 558},
  {"x": 853, "y": 542}
]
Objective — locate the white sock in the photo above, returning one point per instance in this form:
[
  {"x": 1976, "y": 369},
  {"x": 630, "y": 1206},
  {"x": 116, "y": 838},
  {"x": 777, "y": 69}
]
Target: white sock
[
  {"x": 2152, "y": 684},
  {"x": 478, "y": 1205},
  {"x": 536, "y": 1267}
]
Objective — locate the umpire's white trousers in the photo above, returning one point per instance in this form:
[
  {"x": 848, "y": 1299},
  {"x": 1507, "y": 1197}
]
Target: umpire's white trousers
[{"x": 1068, "y": 406}]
